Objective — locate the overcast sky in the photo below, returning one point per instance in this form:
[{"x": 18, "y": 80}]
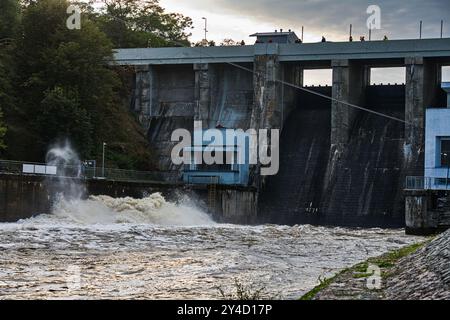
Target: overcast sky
[{"x": 237, "y": 19}]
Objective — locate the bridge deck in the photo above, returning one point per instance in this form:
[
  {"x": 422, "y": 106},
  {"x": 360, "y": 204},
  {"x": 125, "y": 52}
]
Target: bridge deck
[{"x": 392, "y": 49}]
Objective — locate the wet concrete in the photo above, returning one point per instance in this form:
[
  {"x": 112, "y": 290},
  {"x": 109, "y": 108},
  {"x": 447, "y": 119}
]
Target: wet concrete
[{"x": 361, "y": 186}]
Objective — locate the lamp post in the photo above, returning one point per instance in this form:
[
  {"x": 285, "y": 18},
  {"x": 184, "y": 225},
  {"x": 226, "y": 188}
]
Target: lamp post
[
  {"x": 420, "y": 29},
  {"x": 206, "y": 26},
  {"x": 103, "y": 160}
]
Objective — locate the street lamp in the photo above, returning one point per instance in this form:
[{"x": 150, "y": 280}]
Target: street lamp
[
  {"x": 206, "y": 27},
  {"x": 103, "y": 160}
]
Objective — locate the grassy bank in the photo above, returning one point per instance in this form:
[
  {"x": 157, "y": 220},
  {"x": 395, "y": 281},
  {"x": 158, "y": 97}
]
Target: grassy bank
[{"x": 350, "y": 283}]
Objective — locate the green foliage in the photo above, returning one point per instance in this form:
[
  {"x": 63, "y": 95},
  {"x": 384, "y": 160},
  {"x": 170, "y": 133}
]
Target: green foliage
[
  {"x": 143, "y": 23},
  {"x": 2, "y": 132},
  {"x": 9, "y": 24},
  {"x": 204, "y": 43},
  {"x": 62, "y": 116},
  {"x": 386, "y": 262},
  {"x": 57, "y": 83},
  {"x": 323, "y": 283},
  {"x": 9, "y": 18},
  {"x": 245, "y": 292},
  {"x": 64, "y": 74}
]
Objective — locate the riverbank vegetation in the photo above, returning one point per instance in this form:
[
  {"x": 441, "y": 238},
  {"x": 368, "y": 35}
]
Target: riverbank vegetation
[
  {"x": 351, "y": 283},
  {"x": 55, "y": 82}
]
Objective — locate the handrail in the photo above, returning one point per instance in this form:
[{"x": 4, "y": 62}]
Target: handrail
[
  {"x": 84, "y": 172},
  {"x": 427, "y": 183}
]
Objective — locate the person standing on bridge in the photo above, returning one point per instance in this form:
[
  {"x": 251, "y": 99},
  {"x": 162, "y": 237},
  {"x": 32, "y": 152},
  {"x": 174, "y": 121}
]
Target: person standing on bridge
[{"x": 324, "y": 39}]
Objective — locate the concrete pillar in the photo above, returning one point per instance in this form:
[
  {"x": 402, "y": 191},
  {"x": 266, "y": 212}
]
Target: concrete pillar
[
  {"x": 349, "y": 82},
  {"x": 144, "y": 95},
  {"x": 267, "y": 106},
  {"x": 202, "y": 92},
  {"x": 267, "y": 102},
  {"x": 420, "y": 218},
  {"x": 422, "y": 88},
  {"x": 290, "y": 74},
  {"x": 414, "y": 116}
]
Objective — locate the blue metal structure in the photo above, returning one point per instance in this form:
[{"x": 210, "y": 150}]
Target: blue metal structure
[
  {"x": 437, "y": 145},
  {"x": 233, "y": 170}
]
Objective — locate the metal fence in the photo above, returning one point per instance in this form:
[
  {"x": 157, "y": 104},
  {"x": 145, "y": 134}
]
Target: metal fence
[
  {"x": 84, "y": 172},
  {"x": 427, "y": 183},
  {"x": 417, "y": 183}
]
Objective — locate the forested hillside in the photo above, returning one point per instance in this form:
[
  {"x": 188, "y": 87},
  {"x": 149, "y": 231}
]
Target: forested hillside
[{"x": 56, "y": 84}]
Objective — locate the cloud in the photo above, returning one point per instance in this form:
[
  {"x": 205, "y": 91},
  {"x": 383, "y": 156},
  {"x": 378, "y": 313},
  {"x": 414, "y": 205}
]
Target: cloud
[
  {"x": 237, "y": 19},
  {"x": 400, "y": 18}
]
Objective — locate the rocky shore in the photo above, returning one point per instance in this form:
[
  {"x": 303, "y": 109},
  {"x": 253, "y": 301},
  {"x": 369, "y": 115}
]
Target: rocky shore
[{"x": 417, "y": 272}]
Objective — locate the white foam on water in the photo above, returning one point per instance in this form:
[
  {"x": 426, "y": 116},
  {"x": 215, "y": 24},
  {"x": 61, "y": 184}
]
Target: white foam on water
[
  {"x": 152, "y": 248},
  {"x": 71, "y": 208},
  {"x": 105, "y": 210}
]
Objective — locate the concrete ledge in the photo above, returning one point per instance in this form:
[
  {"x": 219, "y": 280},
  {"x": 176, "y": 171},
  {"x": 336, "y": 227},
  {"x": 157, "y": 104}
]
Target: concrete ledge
[{"x": 392, "y": 49}]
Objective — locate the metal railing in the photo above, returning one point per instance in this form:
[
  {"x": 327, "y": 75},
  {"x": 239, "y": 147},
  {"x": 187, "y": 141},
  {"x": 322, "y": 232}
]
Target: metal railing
[
  {"x": 417, "y": 183},
  {"x": 203, "y": 179},
  {"x": 427, "y": 183},
  {"x": 83, "y": 172}
]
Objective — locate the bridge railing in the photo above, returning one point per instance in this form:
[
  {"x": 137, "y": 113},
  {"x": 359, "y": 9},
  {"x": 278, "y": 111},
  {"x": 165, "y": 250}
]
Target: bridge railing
[
  {"x": 84, "y": 172},
  {"x": 427, "y": 183}
]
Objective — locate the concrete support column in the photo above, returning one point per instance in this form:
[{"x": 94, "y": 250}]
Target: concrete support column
[
  {"x": 420, "y": 218},
  {"x": 290, "y": 74},
  {"x": 202, "y": 92},
  {"x": 422, "y": 89},
  {"x": 144, "y": 95},
  {"x": 414, "y": 116},
  {"x": 349, "y": 83},
  {"x": 267, "y": 101},
  {"x": 267, "y": 106}
]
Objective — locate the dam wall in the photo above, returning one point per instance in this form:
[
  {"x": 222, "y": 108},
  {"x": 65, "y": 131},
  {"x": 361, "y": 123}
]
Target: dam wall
[
  {"x": 25, "y": 196},
  {"x": 340, "y": 165}
]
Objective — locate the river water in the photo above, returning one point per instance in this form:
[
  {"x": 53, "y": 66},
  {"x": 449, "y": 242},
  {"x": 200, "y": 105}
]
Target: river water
[{"x": 154, "y": 249}]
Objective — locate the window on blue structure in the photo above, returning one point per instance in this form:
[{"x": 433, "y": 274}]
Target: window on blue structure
[
  {"x": 445, "y": 152},
  {"x": 224, "y": 167}
]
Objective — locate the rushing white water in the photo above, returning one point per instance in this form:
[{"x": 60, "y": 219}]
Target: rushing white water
[
  {"x": 65, "y": 158},
  {"x": 104, "y": 210},
  {"x": 128, "y": 248},
  {"x": 155, "y": 249}
]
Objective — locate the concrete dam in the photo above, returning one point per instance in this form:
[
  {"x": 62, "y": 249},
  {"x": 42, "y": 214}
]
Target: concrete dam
[
  {"x": 362, "y": 187},
  {"x": 338, "y": 165}
]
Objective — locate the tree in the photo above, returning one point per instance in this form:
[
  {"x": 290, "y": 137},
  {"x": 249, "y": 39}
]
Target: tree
[
  {"x": 5, "y": 95},
  {"x": 9, "y": 22},
  {"x": 143, "y": 23},
  {"x": 2, "y": 133},
  {"x": 62, "y": 116},
  {"x": 64, "y": 74},
  {"x": 228, "y": 42},
  {"x": 205, "y": 43},
  {"x": 68, "y": 88},
  {"x": 9, "y": 18}
]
